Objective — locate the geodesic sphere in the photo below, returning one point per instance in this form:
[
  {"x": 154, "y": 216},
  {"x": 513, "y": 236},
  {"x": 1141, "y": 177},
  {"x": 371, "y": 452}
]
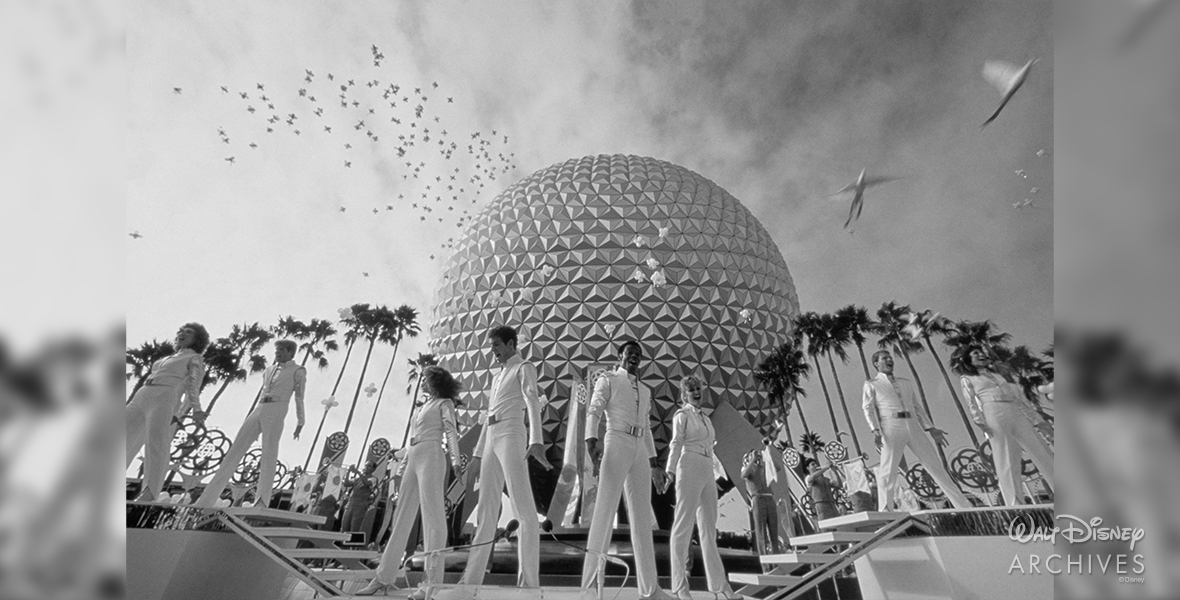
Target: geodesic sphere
[{"x": 586, "y": 253}]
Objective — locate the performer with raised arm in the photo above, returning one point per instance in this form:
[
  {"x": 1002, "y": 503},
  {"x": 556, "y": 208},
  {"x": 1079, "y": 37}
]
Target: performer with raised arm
[
  {"x": 281, "y": 381},
  {"x": 151, "y": 410},
  {"x": 690, "y": 465},
  {"x": 628, "y": 463},
  {"x": 423, "y": 485},
  {"x": 501, "y": 452},
  {"x": 890, "y": 407},
  {"x": 995, "y": 403},
  {"x": 762, "y": 505}
]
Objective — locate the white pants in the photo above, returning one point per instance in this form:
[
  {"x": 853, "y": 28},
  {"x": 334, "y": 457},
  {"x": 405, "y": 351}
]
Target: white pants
[
  {"x": 696, "y": 500},
  {"x": 1011, "y": 432},
  {"x": 149, "y": 426},
  {"x": 896, "y": 435},
  {"x": 265, "y": 420},
  {"x": 422, "y": 486},
  {"x": 503, "y": 462},
  {"x": 625, "y": 467}
]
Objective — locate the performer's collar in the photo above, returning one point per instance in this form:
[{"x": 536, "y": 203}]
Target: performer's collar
[{"x": 515, "y": 359}]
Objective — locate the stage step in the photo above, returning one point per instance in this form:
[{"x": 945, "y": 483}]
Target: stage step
[
  {"x": 346, "y": 575},
  {"x": 763, "y": 579},
  {"x": 829, "y": 538},
  {"x": 275, "y": 515},
  {"x": 866, "y": 520},
  {"x": 303, "y": 534},
  {"x": 799, "y": 558},
  {"x": 338, "y": 553}
]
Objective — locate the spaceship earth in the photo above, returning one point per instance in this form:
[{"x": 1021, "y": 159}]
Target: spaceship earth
[{"x": 591, "y": 251}]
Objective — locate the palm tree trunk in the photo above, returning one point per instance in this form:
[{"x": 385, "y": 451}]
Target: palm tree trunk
[
  {"x": 787, "y": 425},
  {"x": 844, "y": 403},
  {"x": 824, "y": 385},
  {"x": 954, "y": 395},
  {"x": 802, "y": 417},
  {"x": 864, "y": 363},
  {"x": 320, "y": 429},
  {"x": 224, "y": 384},
  {"x": 377, "y": 405},
  {"x": 359, "y": 382},
  {"x": 922, "y": 395}
]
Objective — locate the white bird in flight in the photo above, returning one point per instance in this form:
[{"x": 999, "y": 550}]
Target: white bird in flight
[
  {"x": 858, "y": 200},
  {"x": 1007, "y": 78}
]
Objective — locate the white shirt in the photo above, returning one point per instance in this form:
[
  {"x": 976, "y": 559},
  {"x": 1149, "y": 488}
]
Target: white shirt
[
  {"x": 282, "y": 380},
  {"x": 987, "y": 387},
  {"x": 435, "y": 421},
  {"x": 690, "y": 429},
  {"x": 625, "y": 402},
  {"x": 883, "y": 396},
  {"x": 513, "y": 395}
]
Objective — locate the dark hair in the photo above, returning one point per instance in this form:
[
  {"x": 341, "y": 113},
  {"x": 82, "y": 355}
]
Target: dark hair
[
  {"x": 623, "y": 347},
  {"x": 503, "y": 333},
  {"x": 439, "y": 383},
  {"x": 807, "y": 462},
  {"x": 961, "y": 359},
  {"x": 200, "y": 337},
  {"x": 878, "y": 354},
  {"x": 288, "y": 344}
]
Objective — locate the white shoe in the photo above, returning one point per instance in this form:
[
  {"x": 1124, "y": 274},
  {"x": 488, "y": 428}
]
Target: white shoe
[{"x": 657, "y": 595}]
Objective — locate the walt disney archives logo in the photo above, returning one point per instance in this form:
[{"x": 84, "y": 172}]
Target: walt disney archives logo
[{"x": 1077, "y": 531}]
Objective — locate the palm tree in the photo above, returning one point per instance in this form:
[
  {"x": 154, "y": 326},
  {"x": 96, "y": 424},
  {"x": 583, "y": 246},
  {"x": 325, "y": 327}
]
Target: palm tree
[
  {"x": 891, "y": 323},
  {"x": 1029, "y": 369},
  {"x": 781, "y": 374},
  {"x": 141, "y": 360},
  {"x": 811, "y": 324},
  {"x": 403, "y": 323},
  {"x": 417, "y": 366},
  {"x": 243, "y": 344},
  {"x": 973, "y": 333},
  {"x": 375, "y": 324},
  {"x": 921, "y": 326},
  {"x": 319, "y": 332},
  {"x": 812, "y": 444},
  {"x": 857, "y": 323},
  {"x": 352, "y": 333},
  {"x": 838, "y": 336}
]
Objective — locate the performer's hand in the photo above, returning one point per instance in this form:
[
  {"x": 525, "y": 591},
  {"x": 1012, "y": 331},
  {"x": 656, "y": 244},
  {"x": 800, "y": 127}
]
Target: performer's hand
[
  {"x": 669, "y": 479},
  {"x": 659, "y": 478},
  {"x": 984, "y": 428},
  {"x": 537, "y": 452},
  {"x": 199, "y": 416},
  {"x": 458, "y": 467},
  {"x": 595, "y": 453},
  {"x": 1044, "y": 428},
  {"x": 298, "y": 428},
  {"x": 938, "y": 435},
  {"x": 877, "y": 439}
]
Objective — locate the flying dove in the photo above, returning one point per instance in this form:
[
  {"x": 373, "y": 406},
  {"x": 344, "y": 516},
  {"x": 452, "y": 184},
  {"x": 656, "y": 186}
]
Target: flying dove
[
  {"x": 652, "y": 263},
  {"x": 862, "y": 182},
  {"x": 658, "y": 279},
  {"x": 745, "y": 315},
  {"x": 546, "y": 270},
  {"x": 370, "y": 390},
  {"x": 1007, "y": 78},
  {"x": 664, "y": 232},
  {"x": 345, "y": 313},
  {"x": 638, "y": 275}
]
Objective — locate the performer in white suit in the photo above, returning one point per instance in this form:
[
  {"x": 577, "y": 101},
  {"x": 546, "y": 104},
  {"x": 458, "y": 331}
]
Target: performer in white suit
[
  {"x": 423, "y": 484},
  {"x": 501, "y": 451},
  {"x": 996, "y": 404},
  {"x": 628, "y": 463},
  {"x": 281, "y": 380},
  {"x": 890, "y": 406},
  {"x": 690, "y": 465},
  {"x": 152, "y": 407}
]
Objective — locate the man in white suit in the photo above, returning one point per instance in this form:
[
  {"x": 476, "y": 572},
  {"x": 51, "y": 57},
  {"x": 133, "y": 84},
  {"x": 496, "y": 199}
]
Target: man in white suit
[
  {"x": 502, "y": 455},
  {"x": 892, "y": 411},
  {"x": 281, "y": 381},
  {"x": 628, "y": 463}
]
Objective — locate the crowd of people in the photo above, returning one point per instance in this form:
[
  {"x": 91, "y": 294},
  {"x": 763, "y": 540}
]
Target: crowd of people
[{"x": 624, "y": 458}]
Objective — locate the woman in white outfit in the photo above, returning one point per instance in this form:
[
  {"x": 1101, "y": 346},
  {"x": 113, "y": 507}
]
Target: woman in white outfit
[
  {"x": 150, "y": 412},
  {"x": 422, "y": 485},
  {"x": 996, "y": 406},
  {"x": 690, "y": 464}
]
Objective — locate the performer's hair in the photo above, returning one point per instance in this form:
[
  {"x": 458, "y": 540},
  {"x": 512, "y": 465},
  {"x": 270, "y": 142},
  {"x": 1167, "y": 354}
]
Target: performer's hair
[
  {"x": 961, "y": 359},
  {"x": 504, "y": 333},
  {"x": 288, "y": 344},
  {"x": 684, "y": 386},
  {"x": 878, "y": 354},
  {"x": 200, "y": 337},
  {"x": 440, "y": 384},
  {"x": 807, "y": 462},
  {"x": 622, "y": 347}
]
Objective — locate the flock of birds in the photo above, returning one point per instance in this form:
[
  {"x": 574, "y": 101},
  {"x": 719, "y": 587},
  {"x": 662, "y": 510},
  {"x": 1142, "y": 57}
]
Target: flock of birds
[
  {"x": 1008, "y": 79},
  {"x": 438, "y": 173}
]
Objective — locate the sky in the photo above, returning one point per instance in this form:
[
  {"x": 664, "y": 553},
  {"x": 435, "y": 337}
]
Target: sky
[{"x": 779, "y": 103}]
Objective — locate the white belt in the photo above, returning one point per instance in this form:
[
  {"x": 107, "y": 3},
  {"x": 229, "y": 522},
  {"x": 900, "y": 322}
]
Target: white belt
[
  {"x": 631, "y": 430},
  {"x": 700, "y": 451}
]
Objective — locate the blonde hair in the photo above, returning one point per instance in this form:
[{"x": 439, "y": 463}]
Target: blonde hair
[{"x": 684, "y": 381}]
